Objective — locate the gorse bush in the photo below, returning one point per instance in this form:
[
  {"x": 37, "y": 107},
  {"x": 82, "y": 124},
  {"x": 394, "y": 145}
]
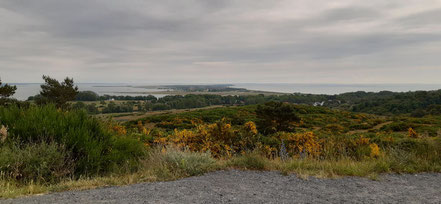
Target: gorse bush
[
  {"x": 299, "y": 144},
  {"x": 218, "y": 138},
  {"x": 314, "y": 139},
  {"x": 90, "y": 143}
]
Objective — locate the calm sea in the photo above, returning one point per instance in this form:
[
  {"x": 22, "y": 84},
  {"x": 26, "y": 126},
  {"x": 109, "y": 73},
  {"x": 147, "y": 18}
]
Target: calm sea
[
  {"x": 335, "y": 88},
  {"x": 24, "y": 90}
]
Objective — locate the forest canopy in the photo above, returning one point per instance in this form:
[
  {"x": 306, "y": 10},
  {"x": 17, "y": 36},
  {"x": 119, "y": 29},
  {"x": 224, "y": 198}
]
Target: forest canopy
[{"x": 418, "y": 103}]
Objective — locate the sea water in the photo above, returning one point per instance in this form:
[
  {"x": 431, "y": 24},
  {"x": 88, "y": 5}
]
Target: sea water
[
  {"x": 24, "y": 90},
  {"x": 335, "y": 88}
]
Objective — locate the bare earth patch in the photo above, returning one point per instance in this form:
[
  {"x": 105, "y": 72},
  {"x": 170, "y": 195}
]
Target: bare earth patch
[{"x": 235, "y": 186}]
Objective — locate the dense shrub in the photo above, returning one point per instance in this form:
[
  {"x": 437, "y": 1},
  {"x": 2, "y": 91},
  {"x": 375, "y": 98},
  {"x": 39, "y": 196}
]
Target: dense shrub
[
  {"x": 218, "y": 138},
  {"x": 276, "y": 116},
  {"x": 91, "y": 144},
  {"x": 35, "y": 162},
  {"x": 301, "y": 144},
  {"x": 124, "y": 152}
]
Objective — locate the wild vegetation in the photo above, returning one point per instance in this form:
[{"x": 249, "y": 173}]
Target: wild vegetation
[
  {"x": 58, "y": 145},
  {"x": 416, "y": 104},
  {"x": 6, "y": 91},
  {"x": 325, "y": 133}
]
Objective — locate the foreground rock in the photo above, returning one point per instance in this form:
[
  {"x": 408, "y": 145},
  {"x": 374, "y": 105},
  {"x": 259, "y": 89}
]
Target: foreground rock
[{"x": 260, "y": 187}]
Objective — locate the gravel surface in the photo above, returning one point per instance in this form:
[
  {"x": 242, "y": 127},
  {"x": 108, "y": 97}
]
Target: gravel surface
[{"x": 260, "y": 187}]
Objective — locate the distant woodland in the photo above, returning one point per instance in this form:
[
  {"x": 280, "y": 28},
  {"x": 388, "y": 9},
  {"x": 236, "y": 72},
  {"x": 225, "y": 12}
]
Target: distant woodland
[{"x": 418, "y": 103}]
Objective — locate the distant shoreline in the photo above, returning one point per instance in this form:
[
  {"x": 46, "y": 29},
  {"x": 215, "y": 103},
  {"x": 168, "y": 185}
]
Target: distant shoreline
[
  {"x": 24, "y": 90},
  {"x": 222, "y": 93}
]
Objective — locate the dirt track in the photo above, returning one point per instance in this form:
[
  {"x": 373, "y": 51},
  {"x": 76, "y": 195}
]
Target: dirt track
[{"x": 260, "y": 187}]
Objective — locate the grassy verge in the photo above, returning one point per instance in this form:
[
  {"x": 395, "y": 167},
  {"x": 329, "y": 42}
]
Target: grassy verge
[
  {"x": 158, "y": 166},
  {"x": 172, "y": 164}
]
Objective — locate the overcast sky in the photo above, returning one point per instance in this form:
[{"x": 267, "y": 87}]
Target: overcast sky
[{"x": 221, "y": 41}]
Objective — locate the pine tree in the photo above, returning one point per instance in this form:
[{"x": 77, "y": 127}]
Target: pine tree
[
  {"x": 6, "y": 90},
  {"x": 58, "y": 93}
]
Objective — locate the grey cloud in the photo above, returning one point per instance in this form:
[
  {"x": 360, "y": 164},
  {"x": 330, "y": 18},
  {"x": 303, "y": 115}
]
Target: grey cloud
[
  {"x": 324, "y": 46},
  {"x": 72, "y": 19},
  {"x": 430, "y": 17},
  {"x": 246, "y": 40},
  {"x": 350, "y": 13}
]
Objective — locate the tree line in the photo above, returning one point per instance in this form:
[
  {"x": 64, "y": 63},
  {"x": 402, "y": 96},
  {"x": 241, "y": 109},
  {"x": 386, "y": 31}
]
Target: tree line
[{"x": 417, "y": 103}]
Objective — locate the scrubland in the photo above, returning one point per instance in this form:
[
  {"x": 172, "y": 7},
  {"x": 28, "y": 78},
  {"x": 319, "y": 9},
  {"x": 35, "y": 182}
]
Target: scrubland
[{"x": 44, "y": 149}]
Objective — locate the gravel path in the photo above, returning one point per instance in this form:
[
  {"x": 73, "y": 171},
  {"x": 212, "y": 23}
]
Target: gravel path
[{"x": 260, "y": 187}]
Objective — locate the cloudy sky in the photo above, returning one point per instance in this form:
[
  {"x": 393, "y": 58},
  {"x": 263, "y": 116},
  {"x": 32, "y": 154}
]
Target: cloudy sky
[{"x": 221, "y": 41}]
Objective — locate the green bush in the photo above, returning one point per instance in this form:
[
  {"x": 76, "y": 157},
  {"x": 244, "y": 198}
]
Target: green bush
[
  {"x": 35, "y": 162},
  {"x": 90, "y": 143},
  {"x": 124, "y": 151}
]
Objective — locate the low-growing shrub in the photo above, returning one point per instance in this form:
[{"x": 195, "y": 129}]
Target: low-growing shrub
[
  {"x": 191, "y": 164},
  {"x": 251, "y": 161},
  {"x": 348, "y": 146},
  {"x": 171, "y": 162},
  {"x": 399, "y": 126},
  {"x": 35, "y": 162}
]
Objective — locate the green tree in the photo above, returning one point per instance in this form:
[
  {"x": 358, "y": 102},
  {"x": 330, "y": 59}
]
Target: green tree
[
  {"x": 276, "y": 116},
  {"x": 58, "y": 93},
  {"x": 6, "y": 90},
  {"x": 87, "y": 96}
]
